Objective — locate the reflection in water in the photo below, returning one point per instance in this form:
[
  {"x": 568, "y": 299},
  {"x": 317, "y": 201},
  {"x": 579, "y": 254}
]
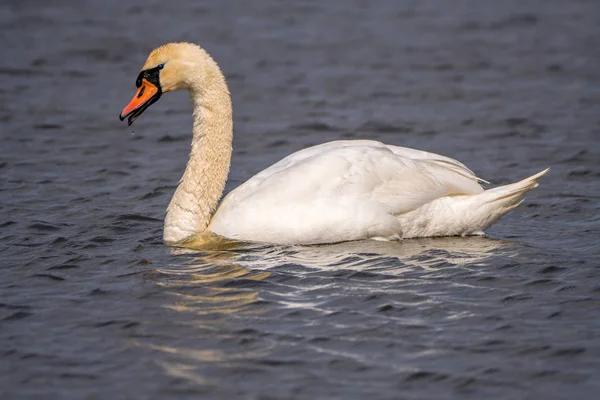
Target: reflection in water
[
  {"x": 228, "y": 285},
  {"x": 199, "y": 282},
  {"x": 209, "y": 271},
  {"x": 370, "y": 255}
]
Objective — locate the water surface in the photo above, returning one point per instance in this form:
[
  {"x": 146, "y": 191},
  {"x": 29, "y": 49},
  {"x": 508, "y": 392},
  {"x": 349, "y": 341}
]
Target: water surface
[{"x": 92, "y": 305}]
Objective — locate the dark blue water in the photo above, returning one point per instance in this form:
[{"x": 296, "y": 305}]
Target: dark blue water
[{"x": 93, "y": 306}]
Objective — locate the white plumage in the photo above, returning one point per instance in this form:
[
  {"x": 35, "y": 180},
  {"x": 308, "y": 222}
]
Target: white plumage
[
  {"x": 334, "y": 192},
  {"x": 359, "y": 189}
]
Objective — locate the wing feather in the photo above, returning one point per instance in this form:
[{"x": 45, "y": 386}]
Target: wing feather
[{"x": 397, "y": 178}]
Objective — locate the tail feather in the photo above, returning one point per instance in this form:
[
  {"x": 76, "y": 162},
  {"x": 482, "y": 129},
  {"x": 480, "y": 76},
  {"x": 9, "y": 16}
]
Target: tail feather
[
  {"x": 467, "y": 214},
  {"x": 513, "y": 192},
  {"x": 494, "y": 203}
]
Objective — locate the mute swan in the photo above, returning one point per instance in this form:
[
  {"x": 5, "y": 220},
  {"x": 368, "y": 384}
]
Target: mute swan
[{"x": 334, "y": 192}]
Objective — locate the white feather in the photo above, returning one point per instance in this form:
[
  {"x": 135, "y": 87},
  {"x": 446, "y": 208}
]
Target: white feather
[
  {"x": 334, "y": 192},
  {"x": 350, "y": 190}
]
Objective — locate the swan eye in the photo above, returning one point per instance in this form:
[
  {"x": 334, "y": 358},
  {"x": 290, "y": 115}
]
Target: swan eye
[{"x": 150, "y": 75}]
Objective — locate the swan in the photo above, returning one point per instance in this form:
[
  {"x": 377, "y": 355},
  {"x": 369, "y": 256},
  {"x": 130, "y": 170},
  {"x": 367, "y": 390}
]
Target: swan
[{"x": 334, "y": 192}]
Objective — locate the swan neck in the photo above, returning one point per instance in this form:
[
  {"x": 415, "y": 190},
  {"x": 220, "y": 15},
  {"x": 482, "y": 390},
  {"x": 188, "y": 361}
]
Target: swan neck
[{"x": 201, "y": 187}]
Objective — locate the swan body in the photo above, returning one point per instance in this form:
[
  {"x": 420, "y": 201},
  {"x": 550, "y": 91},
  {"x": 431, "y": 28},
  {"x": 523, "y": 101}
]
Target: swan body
[{"x": 333, "y": 192}]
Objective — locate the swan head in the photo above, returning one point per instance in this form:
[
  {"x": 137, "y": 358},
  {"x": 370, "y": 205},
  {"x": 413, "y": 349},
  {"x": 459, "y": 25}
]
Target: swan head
[{"x": 170, "y": 67}]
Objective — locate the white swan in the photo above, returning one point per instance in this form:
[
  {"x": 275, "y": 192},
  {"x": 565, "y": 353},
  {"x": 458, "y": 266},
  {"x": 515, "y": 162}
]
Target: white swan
[{"x": 334, "y": 192}]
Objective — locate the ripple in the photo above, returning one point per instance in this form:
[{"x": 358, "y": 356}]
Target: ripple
[
  {"x": 17, "y": 315},
  {"x": 49, "y": 276}
]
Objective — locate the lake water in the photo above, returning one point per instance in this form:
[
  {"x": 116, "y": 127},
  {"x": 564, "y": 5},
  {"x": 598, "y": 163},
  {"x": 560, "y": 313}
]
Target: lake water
[{"x": 94, "y": 306}]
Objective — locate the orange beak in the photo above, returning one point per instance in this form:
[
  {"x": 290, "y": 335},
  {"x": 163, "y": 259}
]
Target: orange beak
[{"x": 146, "y": 95}]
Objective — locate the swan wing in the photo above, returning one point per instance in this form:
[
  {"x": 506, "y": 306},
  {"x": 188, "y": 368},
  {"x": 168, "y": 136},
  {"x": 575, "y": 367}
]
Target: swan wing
[{"x": 387, "y": 165}]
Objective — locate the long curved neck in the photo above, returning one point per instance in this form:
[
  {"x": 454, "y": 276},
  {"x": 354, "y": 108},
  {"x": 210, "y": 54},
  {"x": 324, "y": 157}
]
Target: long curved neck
[{"x": 203, "y": 181}]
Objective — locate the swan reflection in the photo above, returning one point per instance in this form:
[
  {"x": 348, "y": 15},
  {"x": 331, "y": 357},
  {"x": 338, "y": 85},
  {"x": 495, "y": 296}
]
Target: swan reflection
[
  {"x": 243, "y": 299},
  {"x": 393, "y": 257}
]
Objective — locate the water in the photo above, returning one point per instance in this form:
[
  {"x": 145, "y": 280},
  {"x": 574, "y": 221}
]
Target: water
[{"x": 92, "y": 305}]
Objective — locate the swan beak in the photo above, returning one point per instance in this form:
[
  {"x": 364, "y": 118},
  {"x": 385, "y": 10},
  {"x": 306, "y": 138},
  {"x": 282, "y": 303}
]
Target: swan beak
[{"x": 146, "y": 95}]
